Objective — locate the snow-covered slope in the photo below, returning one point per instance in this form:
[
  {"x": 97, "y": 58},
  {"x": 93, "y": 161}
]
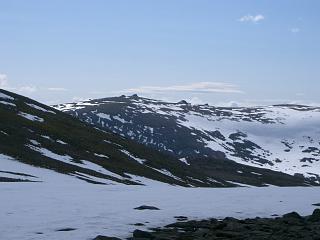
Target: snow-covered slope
[
  {"x": 38, "y": 135},
  {"x": 37, "y": 142},
  {"x": 283, "y": 138}
]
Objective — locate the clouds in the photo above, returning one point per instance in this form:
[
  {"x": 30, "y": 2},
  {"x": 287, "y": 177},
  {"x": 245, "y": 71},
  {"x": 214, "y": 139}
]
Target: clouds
[
  {"x": 259, "y": 17},
  {"x": 199, "y": 87},
  {"x": 295, "y": 30},
  {"x": 196, "y": 100},
  {"x": 252, "y": 18},
  {"x": 57, "y": 89},
  {"x": 27, "y": 89},
  {"x": 3, "y": 80}
]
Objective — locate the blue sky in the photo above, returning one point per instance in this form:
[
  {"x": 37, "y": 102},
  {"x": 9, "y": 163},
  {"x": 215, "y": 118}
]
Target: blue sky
[{"x": 221, "y": 52}]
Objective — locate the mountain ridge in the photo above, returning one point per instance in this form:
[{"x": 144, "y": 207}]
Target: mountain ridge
[
  {"x": 283, "y": 137},
  {"x": 41, "y": 137}
]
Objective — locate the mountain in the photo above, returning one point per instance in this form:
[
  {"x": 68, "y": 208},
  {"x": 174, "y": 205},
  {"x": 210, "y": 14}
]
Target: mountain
[
  {"x": 37, "y": 142},
  {"x": 37, "y": 135},
  {"x": 282, "y": 138}
]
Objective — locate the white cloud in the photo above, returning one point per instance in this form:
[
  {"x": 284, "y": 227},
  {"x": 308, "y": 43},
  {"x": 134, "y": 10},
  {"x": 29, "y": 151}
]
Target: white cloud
[
  {"x": 27, "y": 89},
  {"x": 80, "y": 99},
  {"x": 196, "y": 101},
  {"x": 252, "y": 18},
  {"x": 199, "y": 87},
  {"x": 3, "y": 80},
  {"x": 233, "y": 104},
  {"x": 23, "y": 89},
  {"x": 295, "y": 30},
  {"x": 57, "y": 89}
]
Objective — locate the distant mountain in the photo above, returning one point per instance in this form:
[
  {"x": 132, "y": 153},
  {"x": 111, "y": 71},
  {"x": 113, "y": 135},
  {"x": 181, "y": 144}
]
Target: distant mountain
[
  {"x": 37, "y": 135},
  {"x": 284, "y": 138},
  {"x": 37, "y": 142}
]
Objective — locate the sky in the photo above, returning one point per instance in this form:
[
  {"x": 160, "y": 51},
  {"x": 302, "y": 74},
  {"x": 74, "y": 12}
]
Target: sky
[{"x": 220, "y": 52}]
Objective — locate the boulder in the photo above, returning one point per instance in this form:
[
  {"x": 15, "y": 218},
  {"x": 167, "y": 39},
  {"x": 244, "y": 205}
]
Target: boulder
[
  {"x": 315, "y": 217},
  {"x": 100, "y": 237},
  {"x": 142, "y": 234},
  {"x": 146, "y": 207},
  {"x": 292, "y": 215}
]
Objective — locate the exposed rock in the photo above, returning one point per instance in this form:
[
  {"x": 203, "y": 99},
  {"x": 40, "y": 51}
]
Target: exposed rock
[
  {"x": 181, "y": 218},
  {"x": 66, "y": 229},
  {"x": 100, "y": 237},
  {"x": 292, "y": 215},
  {"x": 183, "y": 102},
  {"x": 135, "y": 96},
  {"x": 146, "y": 207},
  {"x": 290, "y": 226},
  {"x": 142, "y": 234},
  {"x": 315, "y": 217},
  {"x": 139, "y": 224}
]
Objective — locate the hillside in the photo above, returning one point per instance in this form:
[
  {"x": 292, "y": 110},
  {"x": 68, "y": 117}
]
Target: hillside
[
  {"x": 283, "y": 138},
  {"x": 32, "y": 134},
  {"x": 35, "y": 135}
]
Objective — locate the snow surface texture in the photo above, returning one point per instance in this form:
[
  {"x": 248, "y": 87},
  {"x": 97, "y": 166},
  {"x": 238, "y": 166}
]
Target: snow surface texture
[
  {"x": 60, "y": 201},
  {"x": 30, "y": 208},
  {"x": 8, "y": 164},
  {"x": 283, "y": 138}
]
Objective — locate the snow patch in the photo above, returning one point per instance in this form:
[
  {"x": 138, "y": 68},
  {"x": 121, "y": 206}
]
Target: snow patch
[
  {"x": 105, "y": 116},
  {"x": 5, "y": 96},
  {"x": 101, "y": 155},
  {"x": 61, "y": 142},
  {"x": 31, "y": 117},
  {"x": 139, "y": 160},
  {"x": 40, "y": 108},
  {"x": 8, "y": 103},
  {"x": 184, "y": 160}
]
